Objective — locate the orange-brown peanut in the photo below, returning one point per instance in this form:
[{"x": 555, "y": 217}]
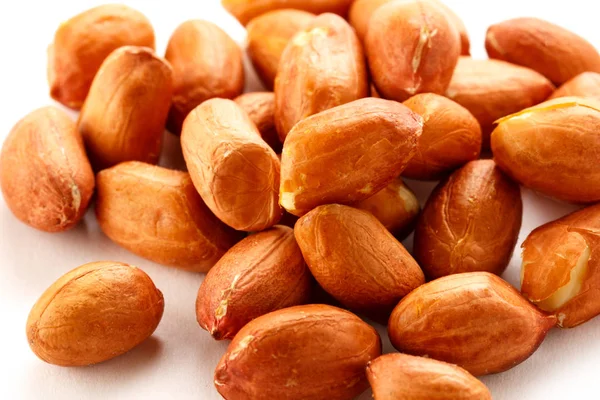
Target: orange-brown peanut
[
  {"x": 246, "y": 10},
  {"x": 586, "y": 84},
  {"x": 260, "y": 107}
]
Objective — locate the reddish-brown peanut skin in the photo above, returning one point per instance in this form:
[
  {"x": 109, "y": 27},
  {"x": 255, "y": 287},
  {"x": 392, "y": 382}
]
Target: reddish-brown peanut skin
[
  {"x": 362, "y": 10},
  {"x": 451, "y": 137},
  {"x": 401, "y": 376},
  {"x": 268, "y": 35},
  {"x": 355, "y": 258},
  {"x": 492, "y": 89},
  {"x": 475, "y": 320},
  {"x": 45, "y": 176},
  {"x": 311, "y": 352},
  {"x": 207, "y": 63},
  {"x": 553, "y": 51},
  {"x": 246, "y": 10},
  {"x": 395, "y": 206},
  {"x": 123, "y": 117},
  {"x": 233, "y": 169},
  {"x": 83, "y": 42},
  {"x": 95, "y": 312},
  {"x": 586, "y": 84},
  {"x": 260, "y": 107},
  {"x": 470, "y": 222},
  {"x": 551, "y": 251},
  {"x": 346, "y": 154},
  {"x": 412, "y": 48},
  {"x": 323, "y": 66},
  {"x": 553, "y": 148},
  {"x": 157, "y": 213},
  {"x": 262, "y": 273}
]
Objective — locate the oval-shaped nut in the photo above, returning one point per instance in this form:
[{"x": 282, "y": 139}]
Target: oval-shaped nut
[
  {"x": 267, "y": 37},
  {"x": 560, "y": 267},
  {"x": 401, "y": 376},
  {"x": 355, "y": 259},
  {"x": 233, "y": 169},
  {"x": 260, "y": 107},
  {"x": 395, "y": 206},
  {"x": 311, "y": 352},
  {"x": 492, "y": 89},
  {"x": 207, "y": 63},
  {"x": 586, "y": 84},
  {"x": 123, "y": 117},
  {"x": 475, "y": 320},
  {"x": 451, "y": 137},
  {"x": 553, "y": 148},
  {"x": 470, "y": 222},
  {"x": 323, "y": 66},
  {"x": 94, "y": 313},
  {"x": 246, "y": 10},
  {"x": 262, "y": 273},
  {"x": 83, "y": 42},
  {"x": 346, "y": 154},
  {"x": 412, "y": 48},
  {"x": 553, "y": 51},
  {"x": 362, "y": 10},
  {"x": 157, "y": 214},
  {"x": 45, "y": 176}
]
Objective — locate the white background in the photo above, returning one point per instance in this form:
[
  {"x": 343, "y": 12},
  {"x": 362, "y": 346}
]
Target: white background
[{"x": 179, "y": 359}]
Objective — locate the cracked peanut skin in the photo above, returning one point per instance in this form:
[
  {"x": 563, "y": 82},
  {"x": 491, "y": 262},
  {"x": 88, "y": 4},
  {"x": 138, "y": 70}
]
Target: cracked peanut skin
[
  {"x": 206, "y": 63},
  {"x": 492, "y": 89},
  {"x": 356, "y": 259},
  {"x": 232, "y": 167},
  {"x": 553, "y": 51},
  {"x": 74, "y": 322},
  {"x": 412, "y": 47},
  {"x": 123, "y": 117},
  {"x": 451, "y": 137},
  {"x": 310, "y": 352},
  {"x": 401, "y": 376},
  {"x": 83, "y": 42},
  {"x": 586, "y": 84},
  {"x": 157, "y": 214},
  {"x": 475, "y": 320},
  {"x": 553, "y": 148},
  {"x": 470, "y": 222},
  {"x": 551, "y": 252},
  {"x": 267, "y": 37},
  {"x": 361, "y": 11},
  {"x": 45, "y": 176},
  {"x": 246, "y": 10},
  {"x": 322, "y": 66},
  {"x": 346, "y": 154},
  {"x": 262, "y": 273},
  {"x": 260, "y": 107}
]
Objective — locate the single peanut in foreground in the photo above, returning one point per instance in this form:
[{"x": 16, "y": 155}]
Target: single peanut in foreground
[
  {"x": 207, "y": 63},
  {"x": 346, "y": 154},
  {"x": 471, "y": 222},
  {"x": 263, "y": 273},
  {"x": 553, "y": 148},
  {"x": 412, "y": 48},
  {"x": 322, "y": 66},
  {"x": 123, "y": 117},
  {"x": 45, "y": 176},
  {"x": 94, "y": 313},
  {"x": 232, "y": 167},
  {"x": 355, "y": 259},
  {"x": 401, "y": 376},
  {"x": 474, "y": 320},
  {"x": 311, "y": 352},
  {"x": 157, "y": 213},
  {"x": 83, "y": 42},
  {"x": 560, "y": 267}
]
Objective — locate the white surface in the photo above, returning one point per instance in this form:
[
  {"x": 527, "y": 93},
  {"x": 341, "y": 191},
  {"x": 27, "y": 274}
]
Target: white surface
[{"x": 178, "y": 361}]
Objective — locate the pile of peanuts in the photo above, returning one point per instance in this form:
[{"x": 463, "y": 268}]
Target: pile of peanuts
[{"x": 293, "y": 201}]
